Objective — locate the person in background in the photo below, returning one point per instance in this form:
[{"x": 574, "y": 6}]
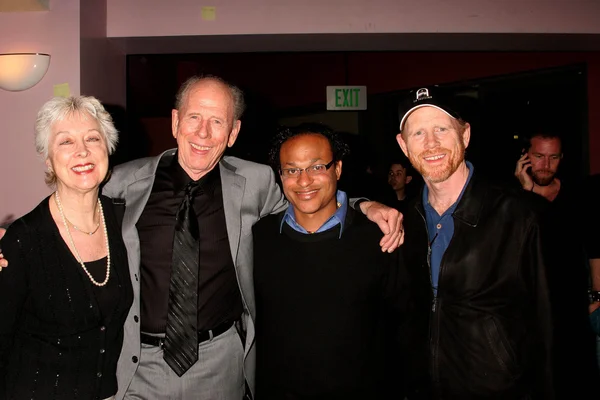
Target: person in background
[
  {"x": 537, "y": 168},
  {"x": 67, "y": 293},
  {"x": 399, "y": 176},
  {"x": 563, "y": 202}
]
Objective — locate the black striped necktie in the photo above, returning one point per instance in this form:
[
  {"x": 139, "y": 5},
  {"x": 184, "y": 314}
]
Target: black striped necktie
[{"x": 181, "y": 341}]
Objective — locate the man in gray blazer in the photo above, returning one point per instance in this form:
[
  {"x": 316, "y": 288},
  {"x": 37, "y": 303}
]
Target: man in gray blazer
[{"x": 205, "y": 121}]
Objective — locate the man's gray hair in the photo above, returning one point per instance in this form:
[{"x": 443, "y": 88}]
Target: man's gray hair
[
  {"x": 236, "y": 93},
  {"x": 59, "y": 108}
]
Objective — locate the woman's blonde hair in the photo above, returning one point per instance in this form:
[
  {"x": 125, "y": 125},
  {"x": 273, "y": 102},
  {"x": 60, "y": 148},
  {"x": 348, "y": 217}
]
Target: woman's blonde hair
[{"x": 59, "y": 108}]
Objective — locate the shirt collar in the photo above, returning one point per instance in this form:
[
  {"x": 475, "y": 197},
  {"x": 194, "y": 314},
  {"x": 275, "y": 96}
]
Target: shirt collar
[
  {"x": 450, "y": 209},
  {"x": 337, "y": 218},
  {"x": 181, "y": 179}
]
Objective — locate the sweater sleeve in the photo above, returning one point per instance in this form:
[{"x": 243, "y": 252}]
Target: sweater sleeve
[{"x": 13, "y": 292}]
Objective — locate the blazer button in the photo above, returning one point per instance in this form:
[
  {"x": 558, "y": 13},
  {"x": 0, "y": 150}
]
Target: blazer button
[
  {"x": 99, "y": 374},
  {"x": 135, "y": 318},
  {"x": 134, "y": 359},
  {"x": 102, "y": 329}
]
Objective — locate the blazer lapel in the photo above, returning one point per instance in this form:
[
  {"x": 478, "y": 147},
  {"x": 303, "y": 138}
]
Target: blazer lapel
[
  {"x": 137, "y": 193},
  {"x": 233, "y": 192}
]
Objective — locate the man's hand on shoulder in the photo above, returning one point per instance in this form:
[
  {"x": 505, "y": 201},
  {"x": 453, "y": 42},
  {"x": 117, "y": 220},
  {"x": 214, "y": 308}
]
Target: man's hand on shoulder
[{"x": 389, "y": 221}]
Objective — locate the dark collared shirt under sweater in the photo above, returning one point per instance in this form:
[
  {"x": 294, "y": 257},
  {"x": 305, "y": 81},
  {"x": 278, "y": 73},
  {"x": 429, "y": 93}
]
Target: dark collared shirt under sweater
[{"x": 219, "y": 297}]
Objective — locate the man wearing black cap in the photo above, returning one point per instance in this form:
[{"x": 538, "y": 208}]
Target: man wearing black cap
[{"x": 481, "y": 326}]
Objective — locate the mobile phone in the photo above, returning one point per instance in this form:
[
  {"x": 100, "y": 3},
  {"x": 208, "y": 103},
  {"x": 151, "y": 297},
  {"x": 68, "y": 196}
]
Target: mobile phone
[{"x": 527, "y": 167}]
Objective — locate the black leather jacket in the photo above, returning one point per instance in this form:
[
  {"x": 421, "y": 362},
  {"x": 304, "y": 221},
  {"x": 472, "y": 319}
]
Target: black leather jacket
[{"x": 487, "y": 334}]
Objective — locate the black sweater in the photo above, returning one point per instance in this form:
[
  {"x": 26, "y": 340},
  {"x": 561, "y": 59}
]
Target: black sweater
[
  {"x": 323, "y": 306},
  {"x": 56, "y": 340}
]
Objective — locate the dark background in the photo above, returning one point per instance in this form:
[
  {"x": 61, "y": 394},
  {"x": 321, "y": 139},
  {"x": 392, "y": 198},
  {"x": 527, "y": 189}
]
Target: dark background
[{"x": 502, "y": 109}]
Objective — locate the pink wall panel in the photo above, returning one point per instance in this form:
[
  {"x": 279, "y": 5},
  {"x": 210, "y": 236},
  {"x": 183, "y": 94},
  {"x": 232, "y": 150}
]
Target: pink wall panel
[
  {"x": 55, "y": 32},
  {"x": 184, "y": 17},
  {"x": 103, "y": 66},
  {"x": 76, "y": 48}
]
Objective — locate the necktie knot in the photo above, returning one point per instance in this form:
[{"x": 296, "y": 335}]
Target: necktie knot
[{"x": 192, "y": 189}]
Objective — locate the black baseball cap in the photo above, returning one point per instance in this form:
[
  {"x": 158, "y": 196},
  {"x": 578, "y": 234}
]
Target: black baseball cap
[{"x": 426, "y": 97}]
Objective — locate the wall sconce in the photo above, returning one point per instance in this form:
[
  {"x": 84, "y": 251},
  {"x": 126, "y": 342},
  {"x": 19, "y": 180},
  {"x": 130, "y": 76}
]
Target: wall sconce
[{"x": 21, "y": 71}]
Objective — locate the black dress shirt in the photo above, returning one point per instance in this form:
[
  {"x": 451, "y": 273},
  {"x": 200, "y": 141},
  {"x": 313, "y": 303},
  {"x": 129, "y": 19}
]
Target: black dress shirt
[{"x": 219, "y": 297}]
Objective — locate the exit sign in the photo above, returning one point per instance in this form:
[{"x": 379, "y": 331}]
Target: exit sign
[{"x": 346, "y": 98}]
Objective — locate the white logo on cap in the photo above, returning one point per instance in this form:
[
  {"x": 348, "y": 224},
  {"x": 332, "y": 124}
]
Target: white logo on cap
[{"x": 422, "y": 94}]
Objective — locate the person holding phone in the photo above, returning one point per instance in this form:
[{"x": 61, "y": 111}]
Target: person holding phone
[
  {"x": 537, "y": 167},
  {"x": 537, "y": 171}
]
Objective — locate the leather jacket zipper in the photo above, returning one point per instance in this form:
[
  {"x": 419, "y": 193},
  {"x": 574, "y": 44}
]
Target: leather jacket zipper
[
  {"x": 433, "y": 292},
  {"x": 434, "y": 307},
  {"x": 433, "y": 323},
  {"x": 429, "y": 243},
  {"x": 434, "y": 334}
]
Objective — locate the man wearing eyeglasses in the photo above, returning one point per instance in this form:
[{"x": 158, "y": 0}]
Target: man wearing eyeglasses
[{"x": 324, "y": 290}]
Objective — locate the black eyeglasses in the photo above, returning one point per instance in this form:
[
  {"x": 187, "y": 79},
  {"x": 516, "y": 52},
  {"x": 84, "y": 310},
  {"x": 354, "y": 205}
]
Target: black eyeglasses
[{"x": 313, "y": 170}]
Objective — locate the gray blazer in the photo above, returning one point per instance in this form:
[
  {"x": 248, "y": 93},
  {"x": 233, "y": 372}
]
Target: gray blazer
[{"x": 250, "y": 192}]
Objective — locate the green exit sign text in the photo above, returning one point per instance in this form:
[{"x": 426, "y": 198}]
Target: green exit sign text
[{"x": 346, "y": 98}]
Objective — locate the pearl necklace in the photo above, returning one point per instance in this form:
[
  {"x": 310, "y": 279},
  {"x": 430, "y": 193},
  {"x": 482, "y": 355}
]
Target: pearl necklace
[{"x": 77, "y": 256}]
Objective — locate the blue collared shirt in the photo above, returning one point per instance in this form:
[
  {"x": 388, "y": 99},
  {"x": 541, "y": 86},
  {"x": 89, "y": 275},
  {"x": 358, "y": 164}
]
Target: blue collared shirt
[
  {"x": 337, "y": 218},
  {"x": 440, "y": 230}
]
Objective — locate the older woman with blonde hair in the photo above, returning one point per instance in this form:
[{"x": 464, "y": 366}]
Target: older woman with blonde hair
[{"x": 66, "y": 295}]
